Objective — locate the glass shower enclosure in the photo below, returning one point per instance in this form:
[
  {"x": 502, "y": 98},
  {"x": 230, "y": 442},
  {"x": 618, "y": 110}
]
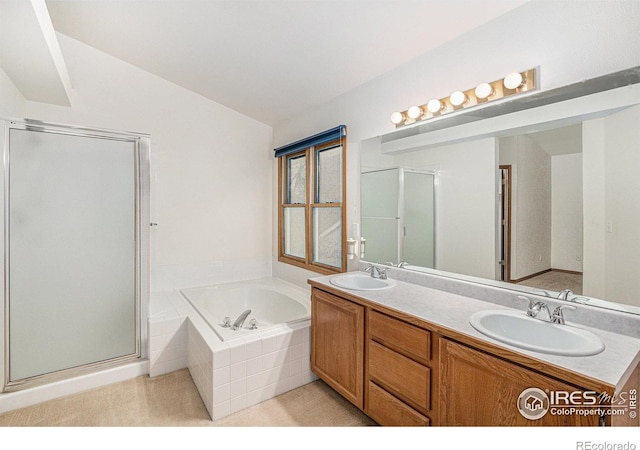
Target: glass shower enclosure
[
  {"x": 75, "y": 250},
  {"x": 398, "y": 216}
]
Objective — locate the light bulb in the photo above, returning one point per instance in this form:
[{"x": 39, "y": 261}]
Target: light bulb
[
  {"x": 483, "y": 90},
  {"x": 457, "y": 98},
  {"x": 414, "y": 112},
  {"x": 434, "y": 105},
  {"x": 397, "y": 118},
  {"x": 513, "y": 80}
]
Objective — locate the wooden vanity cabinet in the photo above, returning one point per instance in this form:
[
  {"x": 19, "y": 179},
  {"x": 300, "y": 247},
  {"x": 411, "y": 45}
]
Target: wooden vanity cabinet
[
  {"x": 337, "y": 344},
  {"x": 393, "y": 383},
  {"x": 401, "y": 371},
  {"x": 478, "y": 389}
]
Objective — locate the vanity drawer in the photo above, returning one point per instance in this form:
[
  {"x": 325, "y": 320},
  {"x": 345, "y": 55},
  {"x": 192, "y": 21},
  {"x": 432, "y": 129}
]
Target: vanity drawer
[
  {"x": 406, "y": 379},
  {"x": 401, "y": 336},
  {"x": 387, "y": 410}
]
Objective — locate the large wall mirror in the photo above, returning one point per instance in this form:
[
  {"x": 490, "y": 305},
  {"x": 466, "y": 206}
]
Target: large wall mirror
[{"x": 542, "y": 198}]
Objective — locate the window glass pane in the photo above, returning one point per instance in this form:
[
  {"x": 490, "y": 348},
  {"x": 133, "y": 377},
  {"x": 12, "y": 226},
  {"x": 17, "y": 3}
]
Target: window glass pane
[
  {"x": 329, "y": 175},
  {"x": 297, "y": 179},
  {"x": 294, "y": 242},
  {"x": 327, "y": 236}
]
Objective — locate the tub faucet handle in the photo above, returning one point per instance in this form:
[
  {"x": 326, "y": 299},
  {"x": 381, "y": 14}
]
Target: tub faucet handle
[
  {"x": 226, "y": 322},
  {"x": 253, "y": 324}
]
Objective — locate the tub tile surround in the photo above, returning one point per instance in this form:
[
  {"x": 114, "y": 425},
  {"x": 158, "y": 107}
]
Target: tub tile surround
[
  {"x": 449, "y": 303},
  {"x": 231, "y": 375}
]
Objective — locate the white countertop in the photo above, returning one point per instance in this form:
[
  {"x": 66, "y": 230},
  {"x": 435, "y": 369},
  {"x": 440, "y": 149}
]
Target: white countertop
[{"x": 452, "y": 311}]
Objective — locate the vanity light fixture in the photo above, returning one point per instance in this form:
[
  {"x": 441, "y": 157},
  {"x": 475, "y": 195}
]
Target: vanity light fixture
[
  {"x": 414, "y": 112},
  {"x": 513, "y": 80},
  {"x": 397, "y": 118},
  {"x": 513, "y": 84},
  {"x": 483, "y": 91},
  {"x": 457, "y": 98},
  {"x": 434, "y": 106}
]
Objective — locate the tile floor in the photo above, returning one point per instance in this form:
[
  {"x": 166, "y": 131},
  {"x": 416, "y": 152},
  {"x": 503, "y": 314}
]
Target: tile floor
[{"x": 172, "y": 400}]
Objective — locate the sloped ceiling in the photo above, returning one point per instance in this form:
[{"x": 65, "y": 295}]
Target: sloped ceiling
[
  {"x": 30, "y": 54},
  {"x": 270, "y": 59}
]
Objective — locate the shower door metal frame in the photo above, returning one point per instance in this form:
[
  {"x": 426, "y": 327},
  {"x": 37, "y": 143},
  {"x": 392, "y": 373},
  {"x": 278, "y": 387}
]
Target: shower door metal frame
[{"x": 142, "y": 144}]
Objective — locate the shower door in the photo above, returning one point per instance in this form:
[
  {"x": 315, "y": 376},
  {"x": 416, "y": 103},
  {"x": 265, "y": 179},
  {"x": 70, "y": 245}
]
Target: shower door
[
  {"x": 398, "y": 216},
  {"x": 72, "y": 250}
]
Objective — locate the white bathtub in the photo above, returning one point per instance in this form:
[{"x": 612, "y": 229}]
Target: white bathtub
[
  {"x": 233, "y": 370},
  {"x": 272, "y": 302}
]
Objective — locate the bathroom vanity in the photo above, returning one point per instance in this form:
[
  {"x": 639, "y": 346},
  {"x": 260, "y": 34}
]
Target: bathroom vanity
[{"x": 407, "y": 356}]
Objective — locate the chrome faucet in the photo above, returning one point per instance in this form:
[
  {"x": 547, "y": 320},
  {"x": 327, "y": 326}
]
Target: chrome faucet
[
  {"x": 535, "y": 307},
  {"x": 534, "y": 310},
  {"x": 401, "y": 264},
  {"x": 376, "y": 272},
  {"x": 567, "y": 294},
  {"x": 557, "y": 316},
  {"x": 240, "y": 320}
]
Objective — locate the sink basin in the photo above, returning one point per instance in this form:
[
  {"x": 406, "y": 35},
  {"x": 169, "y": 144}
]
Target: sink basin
[
  {"x": 361, "y": 282},
  {"x": 515, "y": 328}
]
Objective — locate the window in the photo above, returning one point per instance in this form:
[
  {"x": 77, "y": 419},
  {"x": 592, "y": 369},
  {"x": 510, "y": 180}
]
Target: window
[{"x": 311, "y": 178}]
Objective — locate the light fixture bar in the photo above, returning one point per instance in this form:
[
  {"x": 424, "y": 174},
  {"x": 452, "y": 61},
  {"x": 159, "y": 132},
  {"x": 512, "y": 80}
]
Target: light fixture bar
[{"x": 513, "y": 84}]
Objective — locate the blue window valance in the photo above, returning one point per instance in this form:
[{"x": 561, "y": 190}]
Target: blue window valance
[{"x": 317, "y": 139}]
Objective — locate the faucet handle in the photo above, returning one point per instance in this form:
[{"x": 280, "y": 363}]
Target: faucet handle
[
  {"x": 566, "y": 294},
  {"x": 557, "y": 316}
]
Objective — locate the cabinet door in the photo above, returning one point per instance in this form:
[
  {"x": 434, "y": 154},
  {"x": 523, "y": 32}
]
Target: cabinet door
[
  {"x": 337, "y": 344},
  {"x": 477, "y": 389}
]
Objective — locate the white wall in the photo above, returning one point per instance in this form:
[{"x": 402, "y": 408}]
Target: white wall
[
  {"x": 566, "y": 212},
  {"x": 611, "y": 198},
  {"x": 466, "y": 204},
  {"x": 555, "y": 36},
  {"x": 210, "y": 167},
  {"x": 12, "y": 103}
]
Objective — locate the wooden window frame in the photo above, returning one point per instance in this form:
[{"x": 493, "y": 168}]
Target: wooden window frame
[{"x": 310, "y": 203}]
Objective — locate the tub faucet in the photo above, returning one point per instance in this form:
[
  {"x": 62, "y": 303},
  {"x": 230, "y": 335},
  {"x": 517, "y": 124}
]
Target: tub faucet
[{"x": 240, "y": 320}]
